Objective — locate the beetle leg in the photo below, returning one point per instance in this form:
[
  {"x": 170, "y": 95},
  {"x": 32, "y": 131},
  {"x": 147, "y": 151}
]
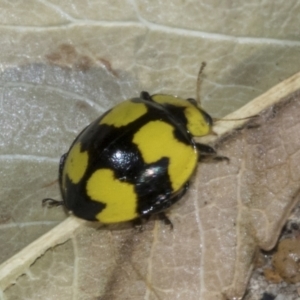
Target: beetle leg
[
  {"x": 159, "y": 210},
  {"x": 208, "y": 153},
  {"x": 145, "y": 96},
  {"x": 163, "y": 217},
  {"x": 138, "y": 223},
  {"x": 51, "y": 202},
  {"x": 205, "y": 149}
]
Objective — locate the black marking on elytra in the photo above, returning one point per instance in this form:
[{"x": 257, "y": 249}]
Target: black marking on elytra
[{"x": 77, "y": 202}]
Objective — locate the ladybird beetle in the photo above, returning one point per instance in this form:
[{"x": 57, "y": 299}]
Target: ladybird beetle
[{"x": 135, "y": 160}]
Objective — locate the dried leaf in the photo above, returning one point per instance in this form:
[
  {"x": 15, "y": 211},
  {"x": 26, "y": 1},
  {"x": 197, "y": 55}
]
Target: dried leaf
[{"x": 231, "y": 210}]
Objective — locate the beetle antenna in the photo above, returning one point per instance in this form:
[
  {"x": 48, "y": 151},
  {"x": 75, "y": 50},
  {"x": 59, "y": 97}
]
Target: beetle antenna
[
  {"x": 238, "y": 119},
  {"x": 199, "y": 81}
]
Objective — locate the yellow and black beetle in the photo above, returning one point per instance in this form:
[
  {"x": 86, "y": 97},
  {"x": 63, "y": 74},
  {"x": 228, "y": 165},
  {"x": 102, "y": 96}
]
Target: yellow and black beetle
[{"x": 135, "y": 160}]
